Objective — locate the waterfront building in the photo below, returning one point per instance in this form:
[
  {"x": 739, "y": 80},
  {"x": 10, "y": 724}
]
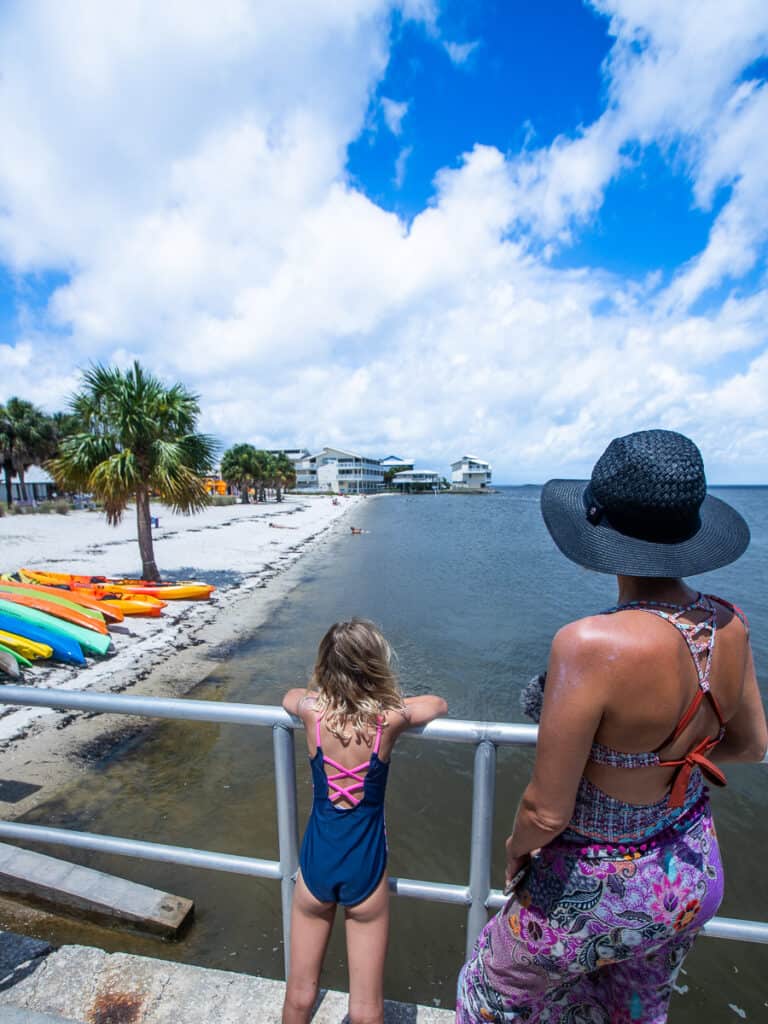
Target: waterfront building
[
  {"x": 417, "y": 480},
  {"x": 344, "y": 472},
  {"x": 394, "y": 462},
  {"x": 38, "y": 484},
  {"x": 294, "y": 454},
  {"x": 470, "y": 472}
]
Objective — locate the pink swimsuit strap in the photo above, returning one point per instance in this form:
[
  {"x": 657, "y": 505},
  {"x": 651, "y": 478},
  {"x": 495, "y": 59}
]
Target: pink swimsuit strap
[{"x": 356, "y": 774}]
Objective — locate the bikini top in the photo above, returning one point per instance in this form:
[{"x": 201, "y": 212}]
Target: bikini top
[
  {"x": 700, "y": 639},
  {"x": 356, "y": 775}
]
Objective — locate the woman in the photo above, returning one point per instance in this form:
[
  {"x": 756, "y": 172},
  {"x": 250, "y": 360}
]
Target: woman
[{"x": 613, "y": 864}]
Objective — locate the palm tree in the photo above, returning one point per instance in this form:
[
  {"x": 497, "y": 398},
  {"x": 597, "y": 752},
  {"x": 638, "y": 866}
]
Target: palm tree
[
  {"x": 27, "y": 436},
  {"x": 238, "y": 466},
  {"x": 284, "y": 474},
  {"x": 138, "y": 437}
]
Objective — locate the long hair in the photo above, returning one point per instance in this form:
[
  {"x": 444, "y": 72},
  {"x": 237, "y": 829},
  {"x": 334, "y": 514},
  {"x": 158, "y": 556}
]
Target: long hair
[{"x": 354, "y": 679}]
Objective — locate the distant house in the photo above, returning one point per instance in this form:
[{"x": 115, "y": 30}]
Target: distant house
[
  {"x": 395, "y": 462},
  {"x": 38, "y": 484},
  {"x": 294, "y": 454},
  {"x": 340, "y": 471},
  {"x": 416, "y": 480},
  {"x": 470, "y": 472}
]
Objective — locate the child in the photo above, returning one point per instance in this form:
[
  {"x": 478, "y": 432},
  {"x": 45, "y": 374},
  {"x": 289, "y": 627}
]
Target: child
[{"x": 352, "y": 714}]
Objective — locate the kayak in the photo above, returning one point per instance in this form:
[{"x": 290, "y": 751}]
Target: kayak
[
  {"x": 63, "y": 648},
  {"x": 94, "y": 643},
  {"x": 188, "y": 590},
  {"x": 59, "y": 611},
  {"x": 181, "y": 590},
  {"x": 9, "y": 665},
  {"x": 129, "y": 604},
  {"x": 59, "y": 594},
  {"x": 18, "y": 658},
  {"x": 23, "y": 647}
]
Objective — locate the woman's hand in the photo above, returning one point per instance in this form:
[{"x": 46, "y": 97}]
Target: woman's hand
[{"x": 514, "y": 864}]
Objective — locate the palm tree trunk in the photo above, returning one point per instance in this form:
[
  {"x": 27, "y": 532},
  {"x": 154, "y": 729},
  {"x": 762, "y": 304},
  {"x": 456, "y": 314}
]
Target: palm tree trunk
[
  {"x": 244, "y": 486},
  {"x": 149, "y": 570},
  {"x": 22, "y": 484},
  {"x": 8, "y": 469}
]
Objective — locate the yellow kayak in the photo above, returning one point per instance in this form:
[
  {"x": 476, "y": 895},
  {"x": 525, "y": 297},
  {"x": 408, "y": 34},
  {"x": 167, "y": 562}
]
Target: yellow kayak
[{"x": 26, "y": 648}]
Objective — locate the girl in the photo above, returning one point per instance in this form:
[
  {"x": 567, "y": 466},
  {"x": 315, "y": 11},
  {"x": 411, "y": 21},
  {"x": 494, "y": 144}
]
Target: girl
[{"x": 353, "y": 713}]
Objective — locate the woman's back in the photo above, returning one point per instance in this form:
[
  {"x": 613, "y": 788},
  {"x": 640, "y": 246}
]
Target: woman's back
[{"x": 643, "y": 669}]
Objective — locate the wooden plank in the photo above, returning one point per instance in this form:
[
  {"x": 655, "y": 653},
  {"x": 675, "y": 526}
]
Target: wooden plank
[{"x": 95, "y": 894}]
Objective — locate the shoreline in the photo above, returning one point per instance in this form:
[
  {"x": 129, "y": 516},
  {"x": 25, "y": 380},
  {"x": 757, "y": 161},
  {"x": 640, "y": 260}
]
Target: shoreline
[{"x": 43, "y": 749}]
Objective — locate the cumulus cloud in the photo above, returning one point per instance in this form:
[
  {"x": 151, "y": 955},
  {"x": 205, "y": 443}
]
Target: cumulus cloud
[
  {"x": 461, "y": 52},
  {"x": 187, "y": 176}
]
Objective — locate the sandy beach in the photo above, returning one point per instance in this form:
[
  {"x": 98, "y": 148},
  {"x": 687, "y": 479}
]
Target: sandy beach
[{"x": 244, "y": 550}]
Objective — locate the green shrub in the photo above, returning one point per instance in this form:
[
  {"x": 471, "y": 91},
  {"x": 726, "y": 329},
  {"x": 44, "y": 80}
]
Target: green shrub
[
  {"x": 62, "y": 507},
  {"x": 45, "y": 507},
  {"x": 223, "y": 499}
]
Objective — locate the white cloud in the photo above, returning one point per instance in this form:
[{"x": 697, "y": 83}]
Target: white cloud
[
  {"x": 461, "y": 52},
  {"x": 188, "y": 174},
  {"x": 400, "y": 165},
  {"x": 394, "y": 113}
]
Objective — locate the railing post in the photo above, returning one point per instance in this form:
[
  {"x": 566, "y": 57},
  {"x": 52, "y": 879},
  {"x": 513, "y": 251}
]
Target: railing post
[
  {"x": 287, "y": 827},
  {"x": 483, "y": 792}
]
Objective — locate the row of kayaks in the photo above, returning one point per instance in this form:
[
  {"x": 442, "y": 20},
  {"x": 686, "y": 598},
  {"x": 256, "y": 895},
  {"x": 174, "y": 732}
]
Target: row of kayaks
[{"x": 66, "y": 617}]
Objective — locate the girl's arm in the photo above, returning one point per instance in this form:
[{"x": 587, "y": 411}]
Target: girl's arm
[
  {"x": 571, "y": 713},
  {"x": 294, "y": 698},
  {"x": 746, "y": 733},
  {"x": 424, "y": 709}
]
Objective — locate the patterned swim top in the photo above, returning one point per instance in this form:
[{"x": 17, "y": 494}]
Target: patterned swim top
[{"x": 700, "y": 640}]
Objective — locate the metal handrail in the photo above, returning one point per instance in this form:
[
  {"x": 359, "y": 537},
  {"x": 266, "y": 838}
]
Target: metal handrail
[{"x": 477, "y": 896}]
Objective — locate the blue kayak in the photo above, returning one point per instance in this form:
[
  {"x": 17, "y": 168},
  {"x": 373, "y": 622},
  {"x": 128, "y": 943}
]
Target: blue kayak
[{"x": 64, "y": 649}]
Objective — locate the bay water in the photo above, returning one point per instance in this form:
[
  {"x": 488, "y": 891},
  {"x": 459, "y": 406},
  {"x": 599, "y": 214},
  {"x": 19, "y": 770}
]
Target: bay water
[{"x": 469, "y": 589}]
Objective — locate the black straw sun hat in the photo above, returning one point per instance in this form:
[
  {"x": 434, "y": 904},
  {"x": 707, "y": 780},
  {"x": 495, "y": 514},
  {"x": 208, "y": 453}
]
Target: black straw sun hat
[{"x": 645, "y": 511}]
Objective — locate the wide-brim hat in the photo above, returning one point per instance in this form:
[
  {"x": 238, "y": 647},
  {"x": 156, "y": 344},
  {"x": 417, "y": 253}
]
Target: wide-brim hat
[{"x": 645, "y": 511}]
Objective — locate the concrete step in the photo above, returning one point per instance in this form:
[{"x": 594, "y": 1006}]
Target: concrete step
[
  {"x": 67, "y": 886},
  {"x": 84, "y": 984},
  {"x": 16, "y": 1015}
]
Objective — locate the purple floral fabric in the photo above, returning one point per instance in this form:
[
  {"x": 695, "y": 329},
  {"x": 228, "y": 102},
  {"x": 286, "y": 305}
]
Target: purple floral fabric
[{"x": 595, "y": 935}]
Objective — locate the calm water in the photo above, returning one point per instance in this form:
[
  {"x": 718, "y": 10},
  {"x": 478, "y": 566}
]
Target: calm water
[{"x": 470, "y": 590}]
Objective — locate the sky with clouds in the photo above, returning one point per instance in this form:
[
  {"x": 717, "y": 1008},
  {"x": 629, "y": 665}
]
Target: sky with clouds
[{"x": 401, "y": 226}]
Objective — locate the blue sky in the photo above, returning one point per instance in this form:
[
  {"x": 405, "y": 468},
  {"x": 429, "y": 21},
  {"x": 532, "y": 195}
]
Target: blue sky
[{"x": 398, "y": 225}]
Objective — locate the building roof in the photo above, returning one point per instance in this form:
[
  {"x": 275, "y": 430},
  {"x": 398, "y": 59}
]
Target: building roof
[
  {"x": 470, "y": 458},
  {"x": 34, "y": 475},
  {"x": 416, "y": 472},
  {"x": 395, "y": 460}
]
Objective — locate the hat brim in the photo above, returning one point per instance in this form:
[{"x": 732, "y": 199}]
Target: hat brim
[{"x": 722, "y": 537}]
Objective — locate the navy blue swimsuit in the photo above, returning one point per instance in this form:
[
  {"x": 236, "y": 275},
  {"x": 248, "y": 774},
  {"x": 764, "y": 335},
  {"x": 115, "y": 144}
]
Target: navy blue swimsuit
[{"x": 344, "y": 850}]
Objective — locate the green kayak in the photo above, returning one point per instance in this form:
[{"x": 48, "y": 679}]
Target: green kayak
[
  {"x": 92, "y": 613},
  {"x": 94, "y": 643},
  {"x": 20, "y": 659}
]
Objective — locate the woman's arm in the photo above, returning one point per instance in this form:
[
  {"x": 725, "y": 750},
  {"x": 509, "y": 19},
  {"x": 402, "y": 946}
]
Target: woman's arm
[
  {"x": 746, "y": 733},
  {"x": 573, "y": 706}
]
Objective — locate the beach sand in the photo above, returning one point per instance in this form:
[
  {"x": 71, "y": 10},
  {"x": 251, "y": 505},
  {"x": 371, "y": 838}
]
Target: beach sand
[{"x": 233, "y": 547}]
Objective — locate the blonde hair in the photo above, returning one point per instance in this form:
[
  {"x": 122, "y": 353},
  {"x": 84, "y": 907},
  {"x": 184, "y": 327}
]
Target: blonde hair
[{"x": 354, "y": 679}]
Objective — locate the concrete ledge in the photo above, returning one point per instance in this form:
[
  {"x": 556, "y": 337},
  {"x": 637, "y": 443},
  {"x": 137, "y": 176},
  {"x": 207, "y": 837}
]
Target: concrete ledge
[
  {"x": 88, "y": 985},
  {"x": 13, "y": 1015},
  {"x": 60, "y": 884}
]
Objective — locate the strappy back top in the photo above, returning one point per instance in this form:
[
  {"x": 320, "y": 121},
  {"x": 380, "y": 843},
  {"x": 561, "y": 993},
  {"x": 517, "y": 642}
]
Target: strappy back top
[
  {"x": 355, "y": 776},
  {"x": 700, "y": 640}
]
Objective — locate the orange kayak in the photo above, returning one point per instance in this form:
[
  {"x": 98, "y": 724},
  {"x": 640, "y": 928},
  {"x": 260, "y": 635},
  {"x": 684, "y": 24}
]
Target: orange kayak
[
  {"x": 56, "y": 594},
  {"x": 58, "y": 611},
  {"x": 182, "y": 590},
  {"x": 128, "y": 604}
]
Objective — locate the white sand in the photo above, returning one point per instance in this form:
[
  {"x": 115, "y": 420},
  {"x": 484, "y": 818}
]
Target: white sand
[{"x": 233, "y": 547}]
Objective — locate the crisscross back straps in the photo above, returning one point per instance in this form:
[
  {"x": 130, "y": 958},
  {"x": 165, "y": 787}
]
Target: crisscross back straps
[{"x": 356, "y": 775}]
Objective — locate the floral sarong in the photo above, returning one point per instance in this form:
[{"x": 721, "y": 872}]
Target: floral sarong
[{"x": 596, "y": 935}]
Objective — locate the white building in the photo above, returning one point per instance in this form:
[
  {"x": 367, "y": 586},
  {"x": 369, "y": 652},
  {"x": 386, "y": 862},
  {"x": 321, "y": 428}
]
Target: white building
[
  {"x": 416, "y": 479},
  {"x": 395, "y": 462},
  {"x": 333, "y": 469},
  {"x": 470, "y": 472}
]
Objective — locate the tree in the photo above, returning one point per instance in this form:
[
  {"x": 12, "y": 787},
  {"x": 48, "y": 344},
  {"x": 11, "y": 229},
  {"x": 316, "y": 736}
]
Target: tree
[
  {"x": 27, "y": 436},
  {"x": 138, "y": 437},
  {"x": 239, "y": 466},
  {"x": 284, "y": 474}
]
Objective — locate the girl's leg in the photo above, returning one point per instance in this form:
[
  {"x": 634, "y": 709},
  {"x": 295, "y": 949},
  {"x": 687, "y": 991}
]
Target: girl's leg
[
  {"x": 367, "y": 932},
  {"x": 311, "y": 923}
]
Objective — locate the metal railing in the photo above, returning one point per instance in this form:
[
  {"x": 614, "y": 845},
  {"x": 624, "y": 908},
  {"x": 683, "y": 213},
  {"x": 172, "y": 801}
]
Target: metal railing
[{"x": 477, "y": 896}]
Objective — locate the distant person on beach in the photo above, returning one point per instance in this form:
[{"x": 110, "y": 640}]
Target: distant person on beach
[
  {"x": 353, "y": 713},
  {"x": 613, "y": 864}
]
